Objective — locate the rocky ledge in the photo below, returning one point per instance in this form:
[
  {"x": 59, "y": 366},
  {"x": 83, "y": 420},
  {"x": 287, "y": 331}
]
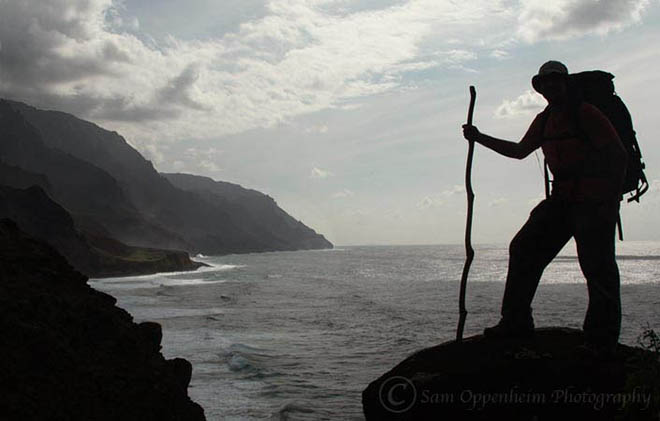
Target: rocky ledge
[
  {"x": 544, "y": 378},
  {"x": 68, "y": 353}
]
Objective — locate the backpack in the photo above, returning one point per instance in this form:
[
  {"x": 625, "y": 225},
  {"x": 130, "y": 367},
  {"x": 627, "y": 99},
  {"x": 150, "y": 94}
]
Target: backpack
[{"x": 597, "y": 88}]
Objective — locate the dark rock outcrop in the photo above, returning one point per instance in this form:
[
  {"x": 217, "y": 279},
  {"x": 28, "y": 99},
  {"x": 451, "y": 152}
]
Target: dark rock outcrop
[
  {"x": 68, "y": 353},
  {"x": 544, "y": 378},
  {"x": 92, "y": 254}
]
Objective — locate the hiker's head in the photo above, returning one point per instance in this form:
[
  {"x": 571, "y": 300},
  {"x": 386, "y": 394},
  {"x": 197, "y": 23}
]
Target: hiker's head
[{"x": 552, "y": 81}]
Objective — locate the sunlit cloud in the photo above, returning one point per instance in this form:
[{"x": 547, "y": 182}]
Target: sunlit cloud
[
  {"x": 320, "y": 173},
  {"x": 343, "y": 194},
  {"x": 497, "y": 202},
  {"x": 526, "y": 104},
  {"x": 440, "y": 199}
]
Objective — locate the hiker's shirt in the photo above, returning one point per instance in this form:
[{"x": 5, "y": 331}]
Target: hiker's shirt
[{"x": 582, "y": 159}]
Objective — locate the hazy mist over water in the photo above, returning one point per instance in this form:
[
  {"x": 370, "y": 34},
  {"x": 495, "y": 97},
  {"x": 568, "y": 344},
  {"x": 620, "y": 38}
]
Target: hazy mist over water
[{"x": 299, "y": 335}]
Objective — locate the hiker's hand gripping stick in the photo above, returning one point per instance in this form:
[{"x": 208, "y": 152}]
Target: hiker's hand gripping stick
[{"x": 471, "y": 133}]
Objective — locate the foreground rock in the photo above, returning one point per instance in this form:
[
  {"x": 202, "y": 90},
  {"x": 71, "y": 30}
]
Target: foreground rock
[
  {"x": 68, "y": 353},
  {"x": 544, "y": 378}
]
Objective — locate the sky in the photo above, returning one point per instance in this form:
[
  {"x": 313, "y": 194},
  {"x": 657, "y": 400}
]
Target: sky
[{"x": 347, "y": 113}]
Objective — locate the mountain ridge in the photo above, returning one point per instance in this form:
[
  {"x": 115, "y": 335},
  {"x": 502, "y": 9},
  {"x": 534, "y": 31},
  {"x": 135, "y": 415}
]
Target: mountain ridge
[{"x": 120, "y": 194}]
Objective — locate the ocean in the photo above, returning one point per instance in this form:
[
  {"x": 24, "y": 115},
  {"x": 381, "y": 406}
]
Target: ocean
[{"x": 299, "y": 335}]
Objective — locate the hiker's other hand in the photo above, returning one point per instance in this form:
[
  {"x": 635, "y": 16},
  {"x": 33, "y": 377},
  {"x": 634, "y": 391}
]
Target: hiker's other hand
[{"x": 471, "y": 133}]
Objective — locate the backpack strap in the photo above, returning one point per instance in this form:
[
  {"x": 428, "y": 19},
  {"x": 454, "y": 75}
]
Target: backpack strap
[
  {"x": 641, "y": 189},
  {"x": 643, "y": 184}
]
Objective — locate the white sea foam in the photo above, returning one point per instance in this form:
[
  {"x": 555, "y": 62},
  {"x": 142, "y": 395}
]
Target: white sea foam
[
  {"x": 210, "y": 268},
  {"x": 167, "y": 275},
  {"x": 162, "y": 313},
  {"x": 228, "y": 267},
  {"x": 196, "y": 281},
  {"x": 130, "y": 283}
]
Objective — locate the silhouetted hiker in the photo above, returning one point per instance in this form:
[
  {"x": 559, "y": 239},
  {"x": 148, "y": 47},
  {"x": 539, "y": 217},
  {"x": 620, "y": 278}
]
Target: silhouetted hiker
[{"x": 588, "y": 163}]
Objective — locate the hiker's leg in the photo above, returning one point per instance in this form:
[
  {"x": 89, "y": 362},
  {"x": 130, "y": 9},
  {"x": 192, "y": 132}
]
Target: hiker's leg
[
  {"x": 544, "y": 234},
  {"x": 595, "y": 228}
]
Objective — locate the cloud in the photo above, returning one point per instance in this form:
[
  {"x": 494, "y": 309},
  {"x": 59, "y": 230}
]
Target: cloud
[
  {"x": 192, "y": 159},
  {"x": 500, "y": 54},
  {"x": 654, "y": 186},
  {"x": 317, "y": 129},
  {"x": 153, "y": 152},
  {"x": 563, "y": 19},
  {"x": 440, "y": 199},
  {"x": 209, "y": 165},
  {"x": 527, "y": 103},
  {"x": 536, "y": 200},
  {"x": 65, "y": 54},
  {"x": 497, "y": 202},
  {"x": 88, "y": 57},
  {"x": 179, "y": 89},
  {"x": 429, "y": 202},
  {"x": 296, "y": 57},
  {"x": 343, "y": 194},
  {"x": 319, "y": 173}
]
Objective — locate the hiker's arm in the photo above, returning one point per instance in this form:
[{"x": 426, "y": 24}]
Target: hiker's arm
[{"x": 507, "y": 148}]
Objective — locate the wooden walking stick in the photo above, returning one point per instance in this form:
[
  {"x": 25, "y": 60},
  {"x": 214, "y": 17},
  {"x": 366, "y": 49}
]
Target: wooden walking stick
[{"x": 469, "y": 251}]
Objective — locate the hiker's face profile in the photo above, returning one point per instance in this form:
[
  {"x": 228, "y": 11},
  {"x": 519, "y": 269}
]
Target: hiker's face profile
[{"x": 553, "y": 87}]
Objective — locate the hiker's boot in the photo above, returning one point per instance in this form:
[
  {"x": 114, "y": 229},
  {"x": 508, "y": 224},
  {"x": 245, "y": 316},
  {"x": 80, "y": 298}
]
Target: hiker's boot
[{"x": 508, "y": 329}]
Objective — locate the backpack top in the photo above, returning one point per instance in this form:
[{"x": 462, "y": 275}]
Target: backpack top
[{"x": 594, "y": 84}]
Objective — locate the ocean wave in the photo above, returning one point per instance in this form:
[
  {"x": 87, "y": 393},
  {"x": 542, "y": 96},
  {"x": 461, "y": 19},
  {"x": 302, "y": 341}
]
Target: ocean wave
[
  {"x": 248, "y": 360},
  {"x": 297, "y": 407},
  {"x": 238, "y": 362}
]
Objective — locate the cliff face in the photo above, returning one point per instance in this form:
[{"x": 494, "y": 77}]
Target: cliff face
[
  {"x": 69, "y": 353},
  {"x": 547, "y": 377},
  {"x": 107, "y": 185},
  {"x": 92, "y": 195},
  {"x": 19, "y": 178},
  {"x": 92, "y": 254},
  {"x": 258, "y": 214}
]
